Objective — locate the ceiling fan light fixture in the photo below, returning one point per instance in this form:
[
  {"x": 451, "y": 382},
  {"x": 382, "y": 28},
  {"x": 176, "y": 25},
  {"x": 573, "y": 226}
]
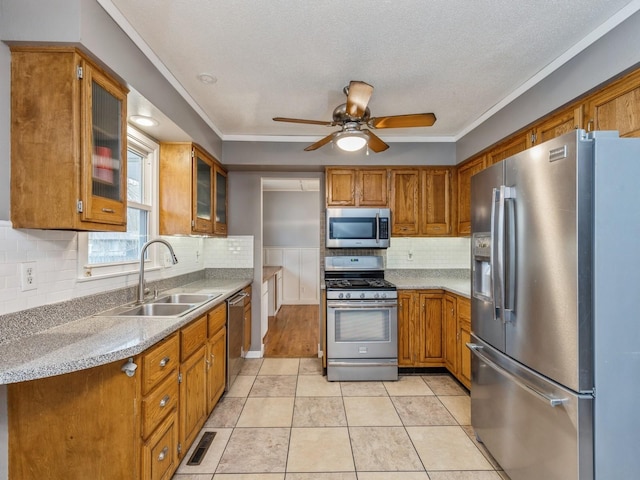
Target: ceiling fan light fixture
[{"x": 351, "y": 141}]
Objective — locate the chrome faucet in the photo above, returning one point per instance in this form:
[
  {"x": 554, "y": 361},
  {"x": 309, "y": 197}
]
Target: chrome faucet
[{"x": 174, "y": 260}]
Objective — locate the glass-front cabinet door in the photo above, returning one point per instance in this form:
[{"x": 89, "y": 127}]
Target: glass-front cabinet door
[
  {"x": 221, "y": 201},
  {"x": 104, "y": 173},
  {"x": 202, "y": 192}
]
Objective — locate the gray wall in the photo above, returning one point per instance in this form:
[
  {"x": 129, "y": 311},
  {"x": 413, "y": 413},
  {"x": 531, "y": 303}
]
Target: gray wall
[
  {"x": 84, "y": 23},
  {"x": 612, "y": 54},
  {"x": 291, "y": 219}
]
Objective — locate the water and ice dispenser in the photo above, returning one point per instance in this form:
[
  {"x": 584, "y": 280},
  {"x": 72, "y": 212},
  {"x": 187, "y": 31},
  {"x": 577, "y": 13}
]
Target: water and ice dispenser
[{"x": 481, "y": 266}]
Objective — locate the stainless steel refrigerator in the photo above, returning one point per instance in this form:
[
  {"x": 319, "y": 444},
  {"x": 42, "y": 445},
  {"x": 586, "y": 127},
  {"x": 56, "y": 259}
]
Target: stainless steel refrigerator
[{"x": 555, "y": 319}]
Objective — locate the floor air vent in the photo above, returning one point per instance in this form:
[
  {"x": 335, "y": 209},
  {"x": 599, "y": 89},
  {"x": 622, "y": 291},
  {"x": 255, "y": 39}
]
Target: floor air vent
[{"x": 201, "y": 449}]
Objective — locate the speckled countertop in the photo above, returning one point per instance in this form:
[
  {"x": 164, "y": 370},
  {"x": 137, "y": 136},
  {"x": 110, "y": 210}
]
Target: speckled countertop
[
  {"x": 456, "y": 281},
  {"x": 92, "y": 341}
]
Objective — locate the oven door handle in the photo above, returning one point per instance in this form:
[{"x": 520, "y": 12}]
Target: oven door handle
[{"x": 364, "y": 304}]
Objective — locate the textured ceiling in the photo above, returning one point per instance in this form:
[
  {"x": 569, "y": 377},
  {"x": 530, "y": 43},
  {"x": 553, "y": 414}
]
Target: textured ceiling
[{"x": 292, "y": 58}]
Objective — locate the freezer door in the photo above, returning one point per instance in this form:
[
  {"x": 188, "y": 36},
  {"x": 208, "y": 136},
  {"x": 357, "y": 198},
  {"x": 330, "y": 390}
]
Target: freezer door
[
  {"x": 535, "y": 429},
  {"x": 485, "y": 287},
  {"x": 548, "y": 259}
]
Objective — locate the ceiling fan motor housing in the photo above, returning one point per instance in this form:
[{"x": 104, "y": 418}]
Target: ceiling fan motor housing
[{"x": 341, "y": 116}]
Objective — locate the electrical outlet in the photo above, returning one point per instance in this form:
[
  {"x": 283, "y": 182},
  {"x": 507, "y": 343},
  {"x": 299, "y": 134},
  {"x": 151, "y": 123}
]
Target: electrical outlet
[
  {"x": 28, "y": 279},
  {"x": 410, "y": 255}
]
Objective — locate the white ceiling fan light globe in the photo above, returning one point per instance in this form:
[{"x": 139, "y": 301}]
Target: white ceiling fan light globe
[{"x": 351, "y": 142}]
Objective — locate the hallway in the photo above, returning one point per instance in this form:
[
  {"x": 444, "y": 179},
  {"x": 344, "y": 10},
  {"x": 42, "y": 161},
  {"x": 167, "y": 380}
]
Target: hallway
[{"x": 293, "y": 332}]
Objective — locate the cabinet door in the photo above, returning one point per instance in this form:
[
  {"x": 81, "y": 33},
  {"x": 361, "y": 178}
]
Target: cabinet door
[
  {"x": 104, "y": 171},
  {"x": 220, "y": 226},
  {"x": 435, "y": 201},
  {"x": 406, "y": 327},
  {"x": 202, "y": 191},
  {"x": 341, "y": 187},
  {"x": 465, "y": 172},
  {"x": 509, "y": 147},
  {"x": 372, "y": 188},
  {"x": 617, "y": 107},
  {"x": 160, "y": 451},
  {"x": 464, "y": 337},
  {"x": 193, "y": 396},
  {"x": 450, "y": 326},
  {"x": 247, "y": 321},
  {"x": 216, "y": 364},
  {"x": 404, "y": 201},
  {"x": 77, "y": 425},
  {"x": 430, "y": 349},
  {"x": 558, "y": 124}
]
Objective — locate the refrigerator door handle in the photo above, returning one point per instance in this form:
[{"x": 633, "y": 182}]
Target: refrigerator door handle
[
  {"x": 495, "y": 258},
  {"x": 552, "y": 401},
  {"x": 508, "y": 195}
]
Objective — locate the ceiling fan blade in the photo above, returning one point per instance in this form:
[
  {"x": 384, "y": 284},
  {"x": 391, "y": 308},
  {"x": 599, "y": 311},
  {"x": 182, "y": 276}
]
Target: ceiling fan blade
[
  {"x": 375, "y": 143},
  {"x": 358, "y": 98},
  {"x": 404, "y": 121},
  {"x": 299, "y": 120},
  {"x": 320, "y": 143}
]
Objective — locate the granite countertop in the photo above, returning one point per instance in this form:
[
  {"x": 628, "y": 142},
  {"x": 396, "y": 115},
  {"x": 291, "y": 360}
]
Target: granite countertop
[
  {"x": 268, "y": 272},
  {"x": 457, "y": 281},
  {"x": 92, "y": 341}
]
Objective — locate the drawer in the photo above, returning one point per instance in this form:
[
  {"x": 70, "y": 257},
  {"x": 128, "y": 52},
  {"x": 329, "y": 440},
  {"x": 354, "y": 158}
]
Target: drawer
[
  {"x": 159, "y": 403},
  {"x": 158, "y": 362},
  {"x": 160, "y": 452},
  {"x": 216, "y": 319},
  {"x": 192, "y": 337}
]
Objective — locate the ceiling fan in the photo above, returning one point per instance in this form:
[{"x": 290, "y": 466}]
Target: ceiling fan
[{"x": 354, "y": 115}]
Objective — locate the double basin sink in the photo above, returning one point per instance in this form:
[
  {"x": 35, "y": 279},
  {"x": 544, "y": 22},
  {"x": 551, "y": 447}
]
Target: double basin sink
[{"x": 174, "y": 305}]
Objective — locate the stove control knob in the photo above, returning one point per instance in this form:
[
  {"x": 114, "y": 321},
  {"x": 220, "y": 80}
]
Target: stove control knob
[
  {"x": 362, "y": 295},
  {"x": 383, "y": 295},
  {"x": 341, "y": 295},
  {"x": 348, "y": 295},
  {"x": 377, "y": 295}
]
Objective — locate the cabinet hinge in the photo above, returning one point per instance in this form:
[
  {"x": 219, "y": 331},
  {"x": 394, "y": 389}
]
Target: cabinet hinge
[
  {"x": 79, "y": 206},
  {"x": 193, "y": 154},
  {"x": 79, "y": 72},
  {"x": 179, "y": 378},
  {"x": 534, "y": 137},
  {"x": 179, "y": 448}
]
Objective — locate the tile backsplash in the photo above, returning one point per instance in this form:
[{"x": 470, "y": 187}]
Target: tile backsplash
[
  {"x": 421, "y": 253},
  {"x": 54, "y": 255}
]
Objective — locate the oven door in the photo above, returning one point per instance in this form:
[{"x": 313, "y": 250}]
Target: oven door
[{"x": 361, "y": 329}]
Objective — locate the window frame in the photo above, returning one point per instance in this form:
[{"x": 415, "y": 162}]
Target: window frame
[{"x": 150, "y": 149}]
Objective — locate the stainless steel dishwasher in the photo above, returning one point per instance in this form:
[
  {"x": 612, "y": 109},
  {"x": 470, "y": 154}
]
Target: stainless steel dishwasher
[{"x": 235, "y": 329}]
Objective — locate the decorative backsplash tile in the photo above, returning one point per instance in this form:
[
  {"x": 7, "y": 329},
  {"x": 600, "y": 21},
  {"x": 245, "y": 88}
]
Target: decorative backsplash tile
[{"x": 419, "y": 253}]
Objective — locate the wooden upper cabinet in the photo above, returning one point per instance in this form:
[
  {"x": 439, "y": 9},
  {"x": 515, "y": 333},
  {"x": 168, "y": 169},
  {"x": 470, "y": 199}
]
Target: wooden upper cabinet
[
  {"x": 436, "y": 201},
  {"x": 189, "y": 200},
  {"x": 506, "y": 149},
  {"x": 404, "y": 201},
  {"x": 616, "y": 107},
  {"x": 68, "y": 142},
  {"x": 465, "y": 172},
  {"x": 558, "y": 124},
  {"x": 357, "y": 187}
]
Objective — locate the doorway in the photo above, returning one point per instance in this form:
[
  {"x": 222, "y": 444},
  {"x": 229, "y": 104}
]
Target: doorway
[{"x": 291, "y": 239}]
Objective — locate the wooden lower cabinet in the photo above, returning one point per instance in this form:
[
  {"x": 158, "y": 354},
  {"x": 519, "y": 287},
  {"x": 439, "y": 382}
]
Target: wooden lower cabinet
[
  {"x": 433, "y": 330},
  {"x": 102, "y": 424},
  {"x": 420, "y": 328}
]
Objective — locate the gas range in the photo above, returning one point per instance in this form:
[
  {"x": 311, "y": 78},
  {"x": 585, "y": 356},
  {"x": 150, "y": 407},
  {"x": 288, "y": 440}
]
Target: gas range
[{"x": 357, "y": 278}]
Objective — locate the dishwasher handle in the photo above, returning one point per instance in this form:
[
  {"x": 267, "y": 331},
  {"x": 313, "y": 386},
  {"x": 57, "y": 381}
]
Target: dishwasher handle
[{"x": 236, "y": 299}]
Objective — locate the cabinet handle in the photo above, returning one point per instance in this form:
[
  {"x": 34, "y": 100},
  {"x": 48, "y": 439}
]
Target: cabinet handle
[
  {"x": 129, "y": 368},
  {"x": 108, "y": 210},
  {"x": 163, "y": 453},
  {"x": 589, "y": 125},
  {"x": 165, "y": 401},
  {"x": 165, "y": 361}
]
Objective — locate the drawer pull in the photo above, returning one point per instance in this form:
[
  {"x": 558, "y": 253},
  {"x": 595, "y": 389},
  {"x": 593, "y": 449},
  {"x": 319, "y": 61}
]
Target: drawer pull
[
  {"x": 108, "y": 210},
  {"x": 165, "y": 401},
  {"x": 163, "y": 454},
  {"x": 165, "y": 361}
]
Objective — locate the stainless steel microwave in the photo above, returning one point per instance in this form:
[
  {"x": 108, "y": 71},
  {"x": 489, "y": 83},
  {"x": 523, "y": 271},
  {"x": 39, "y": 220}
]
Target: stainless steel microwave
[{"x": 358, "y": 227}]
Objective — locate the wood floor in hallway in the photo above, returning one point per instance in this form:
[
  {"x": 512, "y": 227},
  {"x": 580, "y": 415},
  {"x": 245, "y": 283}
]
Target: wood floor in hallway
[{"x": 293, "y": 332}]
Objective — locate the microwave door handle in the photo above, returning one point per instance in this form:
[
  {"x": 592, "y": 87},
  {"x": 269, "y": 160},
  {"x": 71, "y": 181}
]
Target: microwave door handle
[{"x": 377, "y": 228}]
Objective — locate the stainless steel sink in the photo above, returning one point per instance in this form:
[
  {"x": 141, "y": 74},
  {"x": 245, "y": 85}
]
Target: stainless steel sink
[
  {"x": 157, "y": 310},
  {"x": 193, "y": 298}
]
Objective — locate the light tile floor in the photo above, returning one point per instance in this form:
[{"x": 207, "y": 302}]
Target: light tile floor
[{"x": 282, "y": 420}]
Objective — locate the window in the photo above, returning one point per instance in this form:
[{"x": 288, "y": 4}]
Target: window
[{"x": 105, "y": 253}]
